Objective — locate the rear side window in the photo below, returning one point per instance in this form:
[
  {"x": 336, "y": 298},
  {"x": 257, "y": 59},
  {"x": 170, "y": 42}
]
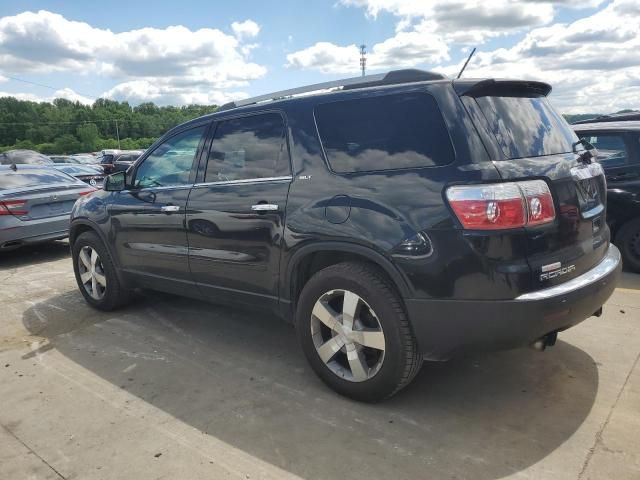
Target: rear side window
[
  {"x": 248, "y": 148},
  {"x": 527, "y": 126},
  {"x": 384, "y": 133},
  {"x": 612, "y": 151},
  {"x": 32, "y": 178}
]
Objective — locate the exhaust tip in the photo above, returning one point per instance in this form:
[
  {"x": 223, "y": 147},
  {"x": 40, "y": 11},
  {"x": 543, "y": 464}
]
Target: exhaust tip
[{"x": 549, "y": 340}]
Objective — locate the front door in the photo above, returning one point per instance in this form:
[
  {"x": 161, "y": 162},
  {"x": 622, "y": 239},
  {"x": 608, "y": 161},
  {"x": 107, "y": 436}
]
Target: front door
[
  {"x": 148, "y": 219},
  {"x": 235, "y": 217}
]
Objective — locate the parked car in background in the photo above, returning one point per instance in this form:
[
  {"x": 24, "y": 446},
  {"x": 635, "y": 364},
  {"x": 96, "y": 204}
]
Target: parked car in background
[
  {"x": 614, "y": 117},
  {"x": 21, "y": 157},
  {"x": 125, "y": 159},
  {"x": 90, "y": 174},
  {"x": 117, "y": 160},
  {"x": 618, "y": 146},
  {"x": 425, "y": 217},
  {"x": 85, "y": 159},
  {"x": 62, "y": 159},
  {"x": 105, "y": 158},
  {"x": 35, "y": 202}
]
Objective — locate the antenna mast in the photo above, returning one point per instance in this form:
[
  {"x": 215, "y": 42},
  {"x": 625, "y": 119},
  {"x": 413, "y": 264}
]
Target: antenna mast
[
  {"x": 467, "y": 62},
  {"x": 363, "y": 58}
]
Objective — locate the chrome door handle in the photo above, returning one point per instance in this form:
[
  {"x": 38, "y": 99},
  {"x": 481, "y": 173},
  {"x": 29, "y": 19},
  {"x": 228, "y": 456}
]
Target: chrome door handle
[
  {"x": 170, "y": 208},
  {"x": 264, "y": 207}
]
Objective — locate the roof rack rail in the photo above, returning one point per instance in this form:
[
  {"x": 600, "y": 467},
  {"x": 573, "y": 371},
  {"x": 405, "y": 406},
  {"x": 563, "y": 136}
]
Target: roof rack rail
[{"x": 391, "y": 78}]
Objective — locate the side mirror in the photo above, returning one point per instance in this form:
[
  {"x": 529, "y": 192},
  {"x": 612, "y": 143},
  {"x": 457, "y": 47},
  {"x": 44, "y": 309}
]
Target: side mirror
[{"x": 115, "y": 182}]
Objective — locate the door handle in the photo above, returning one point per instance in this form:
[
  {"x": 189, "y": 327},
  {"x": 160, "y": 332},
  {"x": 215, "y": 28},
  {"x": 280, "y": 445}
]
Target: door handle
[
  {"x": 264, "y": 207},
  {"x": 170, "y": 208}
]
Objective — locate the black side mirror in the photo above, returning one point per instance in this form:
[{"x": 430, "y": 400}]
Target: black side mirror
[{"x": 116, "y": 182}]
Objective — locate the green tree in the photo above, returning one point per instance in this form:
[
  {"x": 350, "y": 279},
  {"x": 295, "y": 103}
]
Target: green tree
[
  {"x": 66, "y": 143},
  {"x": 88, "y": 135}
]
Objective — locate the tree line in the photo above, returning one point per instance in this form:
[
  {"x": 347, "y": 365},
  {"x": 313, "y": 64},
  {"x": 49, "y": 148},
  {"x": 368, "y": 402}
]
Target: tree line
[{"x": 69, "y": 127}]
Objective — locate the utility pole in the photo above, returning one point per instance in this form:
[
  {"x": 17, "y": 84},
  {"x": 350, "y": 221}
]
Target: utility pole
[
  {"x": 118, "y": 134},
  {"x": 363, "y": 58}
]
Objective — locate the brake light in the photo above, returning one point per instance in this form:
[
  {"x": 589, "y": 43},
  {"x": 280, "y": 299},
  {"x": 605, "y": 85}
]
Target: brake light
[
  {"x": 502, "y": 205},
  {"x": 86, "y": 192},
  {"x": 13, "y": 207},
  {"x": 539, "y": 202}
]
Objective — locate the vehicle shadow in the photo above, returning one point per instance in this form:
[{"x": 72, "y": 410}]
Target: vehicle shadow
[
  {"x": 242, "y": 378},
  {"x": 34, "y": 254}
]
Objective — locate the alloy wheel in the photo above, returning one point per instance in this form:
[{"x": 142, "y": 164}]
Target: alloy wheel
[
  {"x": 347, "y": 335},
  {"x": 91, "y": 273}
]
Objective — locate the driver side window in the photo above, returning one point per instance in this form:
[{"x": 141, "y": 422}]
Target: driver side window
[{"x": 170, "y": 163}]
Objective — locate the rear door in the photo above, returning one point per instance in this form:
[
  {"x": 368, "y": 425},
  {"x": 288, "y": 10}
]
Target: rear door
[
  {"x": 235, "y": 216},
  {"x": 535, "y": 142}
]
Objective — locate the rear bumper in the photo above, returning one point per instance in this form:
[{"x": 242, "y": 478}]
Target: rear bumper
[
  {"x": 15, "y": 232},
  {"x": 446, "y": 328}
]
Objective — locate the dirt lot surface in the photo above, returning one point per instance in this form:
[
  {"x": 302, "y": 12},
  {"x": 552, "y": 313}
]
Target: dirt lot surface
[{"x": 178, "y": 389}]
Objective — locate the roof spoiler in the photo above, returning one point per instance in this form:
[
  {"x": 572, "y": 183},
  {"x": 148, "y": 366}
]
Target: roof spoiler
[{"x": 502, "y": 88}]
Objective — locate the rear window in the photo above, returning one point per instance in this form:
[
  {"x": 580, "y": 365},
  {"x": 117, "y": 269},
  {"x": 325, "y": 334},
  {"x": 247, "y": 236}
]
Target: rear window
[
  {"x": 32, "y": 178},
  {"x": 527, "y": 126},
  {"x": 384, "y": 133}
]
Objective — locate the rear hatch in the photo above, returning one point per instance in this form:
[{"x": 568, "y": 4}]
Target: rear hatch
[
  {"x": 529, "y": 140},
  {"x": 34, "y": 194}
]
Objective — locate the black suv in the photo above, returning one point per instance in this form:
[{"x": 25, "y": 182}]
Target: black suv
[
  {"x": 618, "y": 145},
  {"x": 393, "y": 218}
]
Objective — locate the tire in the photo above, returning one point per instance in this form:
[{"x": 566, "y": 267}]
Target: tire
[
  {"x": 628, "y": 241},
  {"x": 102, "y": 289},
  {"x": 358, "y": 371}
]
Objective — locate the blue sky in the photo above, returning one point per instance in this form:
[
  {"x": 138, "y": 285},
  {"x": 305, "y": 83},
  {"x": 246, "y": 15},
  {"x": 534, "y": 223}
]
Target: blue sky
[{"x": 127, "y": 51}]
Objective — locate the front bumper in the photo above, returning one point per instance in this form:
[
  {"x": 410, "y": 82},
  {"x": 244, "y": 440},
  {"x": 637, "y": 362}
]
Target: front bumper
[{"x": 447, "y": 328}]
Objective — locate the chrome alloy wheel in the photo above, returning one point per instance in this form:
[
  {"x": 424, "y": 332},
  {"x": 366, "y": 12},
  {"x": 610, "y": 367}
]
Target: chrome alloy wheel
[
  {"x": 347, "y": 335},
  {"x": 92, "y": 273}
]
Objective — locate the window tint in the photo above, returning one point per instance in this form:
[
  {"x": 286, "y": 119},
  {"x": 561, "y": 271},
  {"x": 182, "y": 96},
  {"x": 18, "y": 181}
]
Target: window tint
[
  {"x": 527, "y": 127},
  {"x": 32, "y": 178},
  {"x": 383, "y": 133},
  {"x": 612, "y": 151},
  {"x": 248, "y": 147},
  {"x": 170, "y": 163}
]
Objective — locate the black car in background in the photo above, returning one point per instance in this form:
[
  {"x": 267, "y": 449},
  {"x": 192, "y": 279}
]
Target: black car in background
[
  {"x": 399, "y": 217},
  {"x": 618, "y": 145},
  {"x": 24, "y": 157},
  {"x": 117, "y": 160}
]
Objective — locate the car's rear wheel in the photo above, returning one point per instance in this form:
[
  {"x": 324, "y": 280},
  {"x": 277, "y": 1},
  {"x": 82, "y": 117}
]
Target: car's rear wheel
[
  {"x": 628, "y": 241},
  {"x": 355, "y": 334},
  {"x": 95, "y": 273}
]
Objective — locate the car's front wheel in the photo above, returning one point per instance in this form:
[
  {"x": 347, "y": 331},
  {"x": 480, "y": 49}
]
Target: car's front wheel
[
  {"x": 355, "y": 334},
  {"x": 96, "y": 274}
]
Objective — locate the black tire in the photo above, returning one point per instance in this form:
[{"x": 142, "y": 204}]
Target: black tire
[
  {"x": 114, "y": 295},
  {"x": 628, "y": 241},
  {"x": 401, "y": 360}
]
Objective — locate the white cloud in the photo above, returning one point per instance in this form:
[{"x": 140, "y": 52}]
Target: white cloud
[
  {"x": 66, "y": 93},
  {"x": 187, "y": 63},
  {"x": 246, "y": 29},
  {"x": 403, "y": 49},
  {"x": 592, "y": 63}
]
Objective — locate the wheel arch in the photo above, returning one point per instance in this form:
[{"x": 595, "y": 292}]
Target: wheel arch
[
  {"x": 309, "y": 259},
  {"x": 78, "y": 227}
]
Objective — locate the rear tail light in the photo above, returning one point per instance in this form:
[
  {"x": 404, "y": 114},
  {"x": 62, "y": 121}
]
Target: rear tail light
[
  {"x": 86, "y": 192},
  {"x": 13, "y": 207},
  {"x": 502, "y": 205}
]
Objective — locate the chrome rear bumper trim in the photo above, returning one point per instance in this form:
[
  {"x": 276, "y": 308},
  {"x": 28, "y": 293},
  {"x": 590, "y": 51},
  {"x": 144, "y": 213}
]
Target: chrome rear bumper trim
[{"x": 608, "y": 264}]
